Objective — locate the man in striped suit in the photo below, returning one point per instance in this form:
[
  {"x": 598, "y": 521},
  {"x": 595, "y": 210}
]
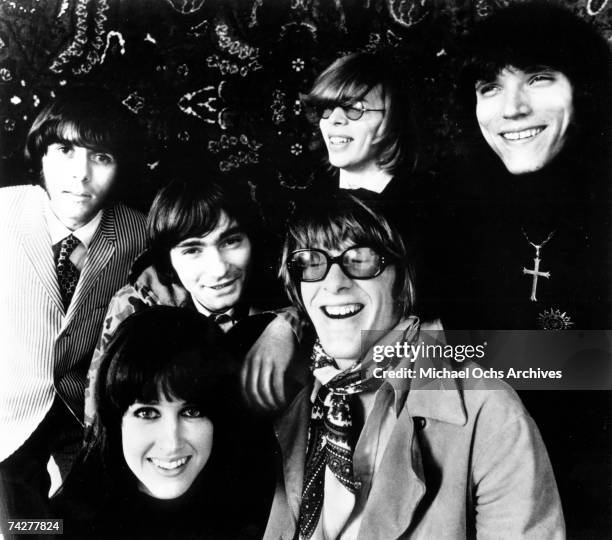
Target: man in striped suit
[{"x": 67, "y": 247}]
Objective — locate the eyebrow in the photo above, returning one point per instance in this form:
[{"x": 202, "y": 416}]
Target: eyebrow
[
  {"x": 191, "y": 242},
  {"x": 68, "y": 142}
]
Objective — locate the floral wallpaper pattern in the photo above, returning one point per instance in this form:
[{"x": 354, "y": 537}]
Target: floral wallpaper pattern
[{"x": 225, "y": 75}]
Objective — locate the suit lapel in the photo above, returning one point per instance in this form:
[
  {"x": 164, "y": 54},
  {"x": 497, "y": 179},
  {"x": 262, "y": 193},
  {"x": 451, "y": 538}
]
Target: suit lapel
[
  {"x": 398, "y": 485},
  {"x": 99, "y": 254},
  {"x": 36, "y": 244},
  {"x": 292, "y": 434}
]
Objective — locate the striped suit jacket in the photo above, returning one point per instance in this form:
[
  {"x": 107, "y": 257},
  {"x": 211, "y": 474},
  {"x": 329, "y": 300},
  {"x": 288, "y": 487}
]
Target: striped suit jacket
[{"x": 44, "y": 351}]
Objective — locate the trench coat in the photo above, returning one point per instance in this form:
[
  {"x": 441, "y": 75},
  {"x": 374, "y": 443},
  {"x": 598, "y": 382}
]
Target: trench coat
[{"x": 464, "y": 460}]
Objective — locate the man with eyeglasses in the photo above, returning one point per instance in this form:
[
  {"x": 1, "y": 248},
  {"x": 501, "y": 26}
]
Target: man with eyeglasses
[{"x": 367, "y": 454}]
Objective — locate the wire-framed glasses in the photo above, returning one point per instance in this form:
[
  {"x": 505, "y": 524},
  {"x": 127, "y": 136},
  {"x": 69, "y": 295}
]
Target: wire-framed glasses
[{"x": 353, "y": 111}]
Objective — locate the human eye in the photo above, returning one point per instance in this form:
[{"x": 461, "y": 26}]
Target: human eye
[
  {"x": 312, "y": 259},
  {"x": 542, "y": 78},
  {"x": 188, "y": 250},
  {"x": 192, "y": 411},
  {"x": 233, "y": 241},
  {"x": 103, "y": 158},
  {"x": 487, "y": 89},
  {"x": 61, "y": 148},
  {"x": 146, "y": 412},
  {"x": 361, "y": 256}
]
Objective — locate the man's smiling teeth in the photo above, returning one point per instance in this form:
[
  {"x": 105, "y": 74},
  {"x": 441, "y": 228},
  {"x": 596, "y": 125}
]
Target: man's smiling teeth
[
  {"x": 345, "y": 310},
  {"x": 339, "y": 140},
  {"x": 169, "y": 465},
  {"x": 525, "y": 134},
  {"x": 222, "y": 285}
]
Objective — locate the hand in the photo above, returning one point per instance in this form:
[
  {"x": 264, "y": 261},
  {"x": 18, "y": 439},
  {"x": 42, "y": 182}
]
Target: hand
[{"x": 265, "y": 365}]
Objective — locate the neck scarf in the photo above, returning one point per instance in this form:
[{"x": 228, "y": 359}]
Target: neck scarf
[{"x": 331, "y": 425}]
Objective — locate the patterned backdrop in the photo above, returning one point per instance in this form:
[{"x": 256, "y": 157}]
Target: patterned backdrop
[{"x": 224, "y": 76}]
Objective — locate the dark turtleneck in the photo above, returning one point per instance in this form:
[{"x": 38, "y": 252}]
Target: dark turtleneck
[{"x": 492, "y": 218}]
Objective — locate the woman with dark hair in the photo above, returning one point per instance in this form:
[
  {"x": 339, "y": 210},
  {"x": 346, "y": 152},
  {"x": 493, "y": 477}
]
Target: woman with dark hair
[{"x": 163, "y": 457}]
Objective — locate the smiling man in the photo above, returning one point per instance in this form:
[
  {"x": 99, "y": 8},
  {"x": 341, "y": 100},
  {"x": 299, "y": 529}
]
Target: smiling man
[
  {"x": 206, "y": 249},
  {"x": 532, "y": 196},
  {"x": 528, "y": 246},
  {"x": 524, "y": 115},
  {"x": 368, "y": 456},
  {"x": 68, "y": 245}
]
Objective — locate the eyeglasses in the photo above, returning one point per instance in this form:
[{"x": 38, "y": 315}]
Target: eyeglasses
[
  {"x": 357, "y": 262},
  {"x": 352, "y": 112}
]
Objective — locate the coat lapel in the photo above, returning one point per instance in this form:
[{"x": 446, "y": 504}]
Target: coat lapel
[
  {"x": 36, "y": 244},
  {"x": 99, "y": 254},
  {"x": 398, "y": 486},
  {"x": 292, "y": 434}
]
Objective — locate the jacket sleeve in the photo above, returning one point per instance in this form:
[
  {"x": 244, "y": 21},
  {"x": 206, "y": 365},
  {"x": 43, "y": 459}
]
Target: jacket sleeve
[
  {"x": 294, "y": 319},
  {"x": 514, "y": 490},
  {"x": 125, "y": 302}
]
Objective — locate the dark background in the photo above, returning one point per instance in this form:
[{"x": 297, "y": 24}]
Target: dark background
[{"x": 224, "y": 76}]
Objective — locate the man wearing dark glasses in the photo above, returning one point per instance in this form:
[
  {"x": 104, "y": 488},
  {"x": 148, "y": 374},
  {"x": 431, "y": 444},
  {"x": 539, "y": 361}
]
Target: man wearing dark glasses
[{"x": 369, "y": 454}]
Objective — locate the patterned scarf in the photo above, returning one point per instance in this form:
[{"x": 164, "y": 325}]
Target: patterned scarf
[{"x": 331, "y": 426}]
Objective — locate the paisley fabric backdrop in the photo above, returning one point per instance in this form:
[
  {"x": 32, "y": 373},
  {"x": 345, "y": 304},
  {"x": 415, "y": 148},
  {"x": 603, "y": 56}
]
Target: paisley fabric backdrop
[{"x": 224, "y": 76}]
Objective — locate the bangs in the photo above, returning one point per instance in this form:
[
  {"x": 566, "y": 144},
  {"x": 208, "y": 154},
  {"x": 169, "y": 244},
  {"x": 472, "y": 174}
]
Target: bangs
[
  {"x": 164, "y": 352},
  {"x": 532, "y": 34},
  {"x": 336, "y": 91},
  {"x": 184, "y": 209},
  {"x": 336, "y": 224},
  {"x": 488, "y": 66},
  {"x": 184, "y": 218},
  {"x": 90, "y": 134},
  {"x": 184, "y": 376},
  {"x": 346, "y": 80},
  {"x": 335, "y": 227},
  {"x": 87, "y": 117}
]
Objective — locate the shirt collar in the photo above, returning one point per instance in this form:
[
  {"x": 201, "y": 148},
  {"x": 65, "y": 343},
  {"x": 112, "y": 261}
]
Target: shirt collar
[
  {"x": 439, "y": 399},
  {"x": 204, "y": 311},
  {"x": 399, "y": 386},
  {"x": 376, "y": 181},
  {"x": 58, "y": 231}
]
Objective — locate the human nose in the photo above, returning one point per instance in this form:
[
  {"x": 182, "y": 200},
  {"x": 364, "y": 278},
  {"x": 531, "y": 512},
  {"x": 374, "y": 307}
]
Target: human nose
[
  {"x": 516, "y": 102},
  {"x": 216, "y": 265},
  {"x": 79, "y": 164},
  {"x": 336, "y": 280},
  {"x": 170, "y": 437},
  {"x": 337, "y": 116}
]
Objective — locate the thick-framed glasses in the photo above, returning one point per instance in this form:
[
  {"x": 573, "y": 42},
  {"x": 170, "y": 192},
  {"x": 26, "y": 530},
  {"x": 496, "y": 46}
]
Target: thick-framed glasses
[
  {"x": 357, "y": 262},
  {"x": 352, "y": 112}
]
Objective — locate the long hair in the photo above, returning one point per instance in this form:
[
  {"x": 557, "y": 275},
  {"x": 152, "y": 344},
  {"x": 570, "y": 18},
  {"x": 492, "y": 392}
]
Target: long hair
[
  {"x": 349, "y": 78},
  {"x": 538, "y": 34},
  {"x": 92, "y": 118},
  {"x": 331, "y": 224},
  {"x": 161, "y": 351},
  {"x": 190, "y": 207}
]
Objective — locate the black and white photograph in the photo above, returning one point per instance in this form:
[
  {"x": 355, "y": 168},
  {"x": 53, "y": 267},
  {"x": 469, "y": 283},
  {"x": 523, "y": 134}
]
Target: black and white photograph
[{"x": 306, "y": 269}]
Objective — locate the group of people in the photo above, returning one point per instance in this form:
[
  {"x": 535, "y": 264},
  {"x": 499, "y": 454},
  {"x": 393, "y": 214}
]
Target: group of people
[{"x": 144, "y": 355}]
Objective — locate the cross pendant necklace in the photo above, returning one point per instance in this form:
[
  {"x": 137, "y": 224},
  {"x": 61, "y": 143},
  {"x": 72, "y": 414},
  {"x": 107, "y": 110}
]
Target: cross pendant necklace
[{"x": 536, "y": 268}]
